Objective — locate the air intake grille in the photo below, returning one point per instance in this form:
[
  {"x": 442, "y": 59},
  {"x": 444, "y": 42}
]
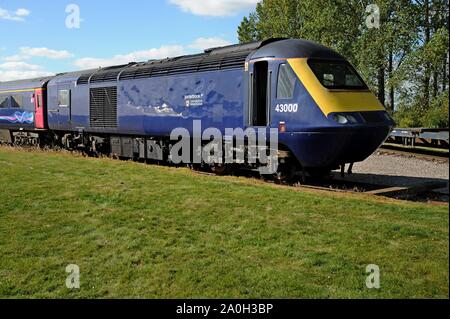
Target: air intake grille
[
  {"x": 188, "y": 64},
  {"x": 105, "y": 77},
  {"x": 103, "y": 107},
  {"x": 84, "y": 79}
]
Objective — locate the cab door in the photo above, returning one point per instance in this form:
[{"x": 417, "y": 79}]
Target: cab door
[{"x": 259, "y": 103}]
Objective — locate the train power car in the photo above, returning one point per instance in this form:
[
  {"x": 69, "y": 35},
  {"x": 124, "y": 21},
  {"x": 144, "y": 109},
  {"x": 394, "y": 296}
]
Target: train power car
[{"x": 324, "y": 112}]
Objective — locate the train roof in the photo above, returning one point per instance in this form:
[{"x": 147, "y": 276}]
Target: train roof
[
  {"x": 69, "y": 76},
  {"x": 25, "y": 84},
  {"x": 295, "y": 48}
]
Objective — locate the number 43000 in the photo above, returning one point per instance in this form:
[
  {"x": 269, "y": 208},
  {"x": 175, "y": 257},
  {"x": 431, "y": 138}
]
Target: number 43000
[{"x": 286, "y": 108}]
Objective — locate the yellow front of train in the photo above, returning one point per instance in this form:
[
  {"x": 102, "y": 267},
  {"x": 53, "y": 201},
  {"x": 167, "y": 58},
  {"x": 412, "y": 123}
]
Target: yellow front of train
[{"x": 338, "y": 119}]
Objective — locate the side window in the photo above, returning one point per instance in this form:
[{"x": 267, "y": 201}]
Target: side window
[
  {"x": 39, "y": 100},
  {"x": 4, "y": 101},
  {"x": 17, "y": 101},
  {"x": 64, "y": 98},
  {"x": 286, "y": 82}
]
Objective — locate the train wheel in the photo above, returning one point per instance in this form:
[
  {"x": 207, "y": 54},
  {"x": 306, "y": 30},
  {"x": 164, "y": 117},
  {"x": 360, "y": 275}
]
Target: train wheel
[{"x": 286, "y": 174}]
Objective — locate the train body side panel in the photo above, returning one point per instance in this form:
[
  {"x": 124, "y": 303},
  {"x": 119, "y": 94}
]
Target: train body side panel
[{"x": 155, "y": 106}]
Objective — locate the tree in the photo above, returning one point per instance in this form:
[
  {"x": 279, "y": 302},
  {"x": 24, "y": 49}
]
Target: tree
[{"x": 247, "y": 30}]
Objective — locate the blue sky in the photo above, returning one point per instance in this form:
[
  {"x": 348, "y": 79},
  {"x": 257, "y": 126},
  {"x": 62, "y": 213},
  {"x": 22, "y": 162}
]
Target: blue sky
[{"x": 35, "y": 39}]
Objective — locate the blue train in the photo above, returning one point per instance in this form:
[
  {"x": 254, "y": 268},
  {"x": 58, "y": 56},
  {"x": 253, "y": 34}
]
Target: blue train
[{"x": 324, "y": 112}]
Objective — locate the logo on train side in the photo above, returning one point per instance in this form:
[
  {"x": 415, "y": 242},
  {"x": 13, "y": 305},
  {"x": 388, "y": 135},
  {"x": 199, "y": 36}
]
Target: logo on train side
[{"x": 193, "y": 100}]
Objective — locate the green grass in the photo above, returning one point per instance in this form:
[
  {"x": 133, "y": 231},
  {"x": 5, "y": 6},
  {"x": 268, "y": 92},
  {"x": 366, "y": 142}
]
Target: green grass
[{"x": 145, "y": 231}]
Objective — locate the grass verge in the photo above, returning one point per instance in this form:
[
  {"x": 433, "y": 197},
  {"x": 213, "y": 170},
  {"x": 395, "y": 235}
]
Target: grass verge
[{"x": 143, "y": 231}]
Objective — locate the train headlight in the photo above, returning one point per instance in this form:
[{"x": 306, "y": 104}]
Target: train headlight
[
  {"x": 351, "y": 119},
  {"x": 339, "y": 118},
  {"x": 343, "y": 118}
]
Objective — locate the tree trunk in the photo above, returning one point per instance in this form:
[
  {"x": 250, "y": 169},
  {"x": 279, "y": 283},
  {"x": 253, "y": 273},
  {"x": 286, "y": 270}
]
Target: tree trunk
[
  {"x": 381, "y": 87},
  {"x": 391, "y": 87},
  {"x": 444, "y": 74},
  {"x": 426, "y": 79},
  {"x": 435, "y": 84}
]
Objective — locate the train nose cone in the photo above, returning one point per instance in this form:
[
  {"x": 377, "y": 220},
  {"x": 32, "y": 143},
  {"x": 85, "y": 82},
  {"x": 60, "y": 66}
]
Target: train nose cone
[{"x": 332, "y": 148}]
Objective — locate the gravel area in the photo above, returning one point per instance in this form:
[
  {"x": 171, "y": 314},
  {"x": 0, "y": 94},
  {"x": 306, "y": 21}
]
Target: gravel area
[{"x": 399, "y": 170}]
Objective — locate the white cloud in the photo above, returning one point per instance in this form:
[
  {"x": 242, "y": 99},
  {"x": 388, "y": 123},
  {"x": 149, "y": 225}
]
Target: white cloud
[
  {"x": 207, "y": 43},
  {"x": 11, "y": 71},
  {"x": 19, "y": 65},
  {"x": 215, "y": 8},
  {"x": 13, "y": 58},
  {"x": 27, "y": 53},
  {"x": 136, "y": 56},
  {"x": 21, "y": 75},
  {"x": 18, "y": 15},
  {"x": 22, "y": 12},
  {"x": 45, "y": 53}
]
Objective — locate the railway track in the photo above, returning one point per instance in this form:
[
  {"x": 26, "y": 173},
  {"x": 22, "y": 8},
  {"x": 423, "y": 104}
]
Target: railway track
[
  {"x": 426, "y": 154},
  {"x": 422, "y": 192}
]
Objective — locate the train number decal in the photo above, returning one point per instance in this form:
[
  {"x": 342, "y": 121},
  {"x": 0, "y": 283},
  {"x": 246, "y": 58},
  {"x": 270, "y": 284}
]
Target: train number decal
[{"x": 286, "y": 108}]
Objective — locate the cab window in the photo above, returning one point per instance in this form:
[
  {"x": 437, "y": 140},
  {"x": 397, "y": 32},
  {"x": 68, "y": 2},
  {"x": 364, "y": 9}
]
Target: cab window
[
  {"x": 64, "y": 98},
  {"x": 286, "y": 82},
  {"x": 337, "y": 75}
]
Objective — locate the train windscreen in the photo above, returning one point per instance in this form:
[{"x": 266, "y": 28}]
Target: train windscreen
[{"x": 337, "y": 75}]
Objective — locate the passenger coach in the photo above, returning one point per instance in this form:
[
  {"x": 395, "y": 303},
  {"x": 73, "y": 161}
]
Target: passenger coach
[{"x": 23, "y": 110}]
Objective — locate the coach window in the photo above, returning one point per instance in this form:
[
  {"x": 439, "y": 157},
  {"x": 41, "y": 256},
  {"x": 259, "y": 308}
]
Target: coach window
[
  {"x": 17, "y": 101},
  {"x": 38, "y": 98},
  {"x": 64, "y": 98},
  {"x": 3, "y": 102},
  {"x": 286, "y": 82}
]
